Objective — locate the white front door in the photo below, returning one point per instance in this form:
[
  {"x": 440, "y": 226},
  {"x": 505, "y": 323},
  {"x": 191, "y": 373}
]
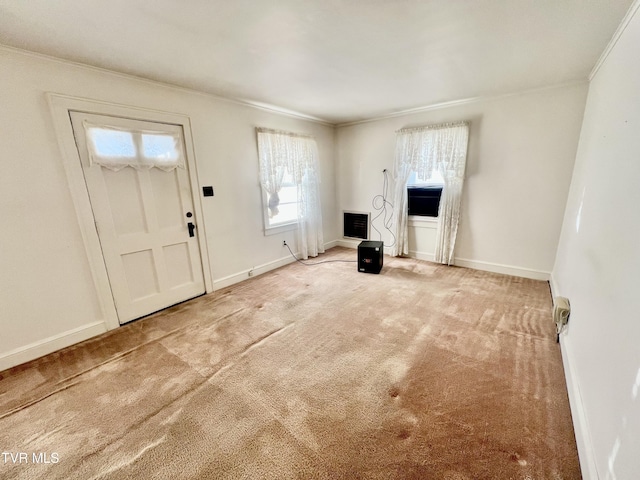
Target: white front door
[{"x": 138, "y": 182}]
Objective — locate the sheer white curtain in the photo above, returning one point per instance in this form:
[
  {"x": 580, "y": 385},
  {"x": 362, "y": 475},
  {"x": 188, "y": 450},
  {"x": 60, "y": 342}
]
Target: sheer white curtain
[
  {"x": 297, "y": 154},
  {"x": 425, "y": 150},
  {"x": 276, "y": 154}
]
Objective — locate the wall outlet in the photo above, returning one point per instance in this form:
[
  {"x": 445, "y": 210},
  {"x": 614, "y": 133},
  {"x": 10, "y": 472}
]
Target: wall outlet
[{"x": 284, "y": 243}]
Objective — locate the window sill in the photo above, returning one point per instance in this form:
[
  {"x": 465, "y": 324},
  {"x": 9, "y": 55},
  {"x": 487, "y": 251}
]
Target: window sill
[
  {"x": 423, "y": 222},
  {"x": 286, "y": 227}
]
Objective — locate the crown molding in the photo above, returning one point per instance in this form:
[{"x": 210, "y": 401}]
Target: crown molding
[
  {"x": 238, "y": 101},
  {"x": 291, "y": 113},
  {"x": 463, "y": 101},
  {"x": 616, "y": 36}
]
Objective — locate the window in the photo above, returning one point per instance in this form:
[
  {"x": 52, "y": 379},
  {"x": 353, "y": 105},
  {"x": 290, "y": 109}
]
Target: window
[
  {"x": 424, "y": 194},
  {"x": 112, "y": 143},
  {"x": 290, "y": 181},
  {"x": 424, "y": 150},
  {"x": 115, "y": 148},
  {"x": 284, "y": 211}
]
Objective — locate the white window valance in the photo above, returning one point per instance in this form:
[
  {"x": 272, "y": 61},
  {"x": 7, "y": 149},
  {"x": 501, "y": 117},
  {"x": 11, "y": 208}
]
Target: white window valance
[
  {"x": 285, "y": 150},
  {"x": 115, "y": 148},
  {"x": 434, "y": 148}
]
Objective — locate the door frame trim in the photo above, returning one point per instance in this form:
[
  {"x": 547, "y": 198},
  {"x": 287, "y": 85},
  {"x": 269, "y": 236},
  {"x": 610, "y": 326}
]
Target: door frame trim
[{"x": 60, "y": 105}]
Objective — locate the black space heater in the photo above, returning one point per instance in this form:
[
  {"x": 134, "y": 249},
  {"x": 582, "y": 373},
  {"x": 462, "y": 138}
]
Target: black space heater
[{"x": 370, "y": 256}]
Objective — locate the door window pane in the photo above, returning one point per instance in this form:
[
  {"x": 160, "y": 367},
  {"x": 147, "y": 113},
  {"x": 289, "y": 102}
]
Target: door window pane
[
  {"x": 112, "y": 143},
  {"x": 160, "y": 147}
]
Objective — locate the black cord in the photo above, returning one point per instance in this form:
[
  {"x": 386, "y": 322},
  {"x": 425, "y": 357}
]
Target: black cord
[
  {"x": 382, "y": 209},
  {"x": 317, "y": 263}
]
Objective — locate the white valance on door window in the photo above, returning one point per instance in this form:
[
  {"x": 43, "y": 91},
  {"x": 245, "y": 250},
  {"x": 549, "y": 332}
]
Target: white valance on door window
[{"x": 115, "y": 148}]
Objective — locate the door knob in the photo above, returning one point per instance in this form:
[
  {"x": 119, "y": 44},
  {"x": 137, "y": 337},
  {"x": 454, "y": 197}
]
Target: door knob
[{"x": 191, "y": 226}]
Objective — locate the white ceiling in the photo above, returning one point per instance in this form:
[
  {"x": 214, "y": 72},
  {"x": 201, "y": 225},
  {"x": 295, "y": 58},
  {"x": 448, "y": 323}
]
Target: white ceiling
[{"x": 337, "y": 60}]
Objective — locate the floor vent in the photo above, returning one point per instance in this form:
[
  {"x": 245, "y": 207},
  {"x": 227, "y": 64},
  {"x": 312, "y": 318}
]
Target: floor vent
[{"x": 356, "y": 225}]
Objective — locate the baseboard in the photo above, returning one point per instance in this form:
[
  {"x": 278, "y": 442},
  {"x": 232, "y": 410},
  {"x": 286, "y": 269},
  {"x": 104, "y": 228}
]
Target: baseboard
[
  {"x": 579, "y": 417},
  {"x": 40, "y": 348},
  {"x": 251, "y": 272},
  {"x": 429, "y": 257},
  {"x": 260, "y": 269},
  {"x": 414, "y": 254},
  {"x": 486, "y": 266},
  {"x": 343, "y": 242},
  {"x": 333, "y": 243},
  {"x": 464, "y": 262},
  {"x": 500, "y": 268},
  {"x": 580, "y": 423},
  {"x": 49, "y": 345},
  {"x": 553, "y": 286}
]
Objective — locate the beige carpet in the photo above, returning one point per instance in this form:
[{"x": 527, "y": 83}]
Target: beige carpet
[{"x": 423, "y": 371}]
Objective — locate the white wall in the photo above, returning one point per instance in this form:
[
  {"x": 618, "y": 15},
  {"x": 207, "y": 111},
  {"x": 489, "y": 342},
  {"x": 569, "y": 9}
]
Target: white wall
[
  {"x": 47, "y": 298},
  {"x": 598, "y": 268},
  {"x": 520, "y": 158}
]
